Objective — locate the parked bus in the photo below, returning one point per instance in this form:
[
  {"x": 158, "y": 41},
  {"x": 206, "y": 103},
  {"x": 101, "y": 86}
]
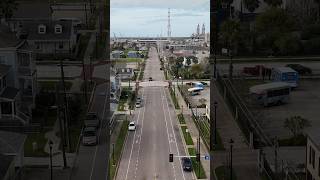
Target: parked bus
[
  {"x": 285, "y": 74},
  {"x": 271, "y": 93},
  {"x": 195, "y": 91}
]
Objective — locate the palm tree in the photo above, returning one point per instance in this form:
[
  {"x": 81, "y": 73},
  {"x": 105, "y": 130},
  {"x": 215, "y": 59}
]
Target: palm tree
[
  {"x": 251, "y": 5},
  {"x": 273, "y": 3},
  {"x": 7, "y": 7}
]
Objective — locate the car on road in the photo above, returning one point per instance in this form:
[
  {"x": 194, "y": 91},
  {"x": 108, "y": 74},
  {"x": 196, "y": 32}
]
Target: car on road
[
  {"x": 138, "y": 104},
  {"x": 132, "y": 126},
  {"x": 89, "y": 136},
  {"x": 186, "y": 164},
  {"x": 139, "y": 99},
  {"x": 150, "y": 78},
  {"x": 92, "y": 120},
  {"x": 160, "y": 69},
  {"x": 302, "y": 70}
]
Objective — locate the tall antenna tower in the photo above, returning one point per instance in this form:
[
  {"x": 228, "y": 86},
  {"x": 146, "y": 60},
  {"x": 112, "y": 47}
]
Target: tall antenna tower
[{"x": 169, "y": 25}]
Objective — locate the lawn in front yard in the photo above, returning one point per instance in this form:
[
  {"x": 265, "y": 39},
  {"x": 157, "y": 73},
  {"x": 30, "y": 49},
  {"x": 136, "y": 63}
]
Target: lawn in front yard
[
  {"x": 41, "y": 141},
  {"x": 196, "y": 165},
  {"x": 187, "y": 136}
]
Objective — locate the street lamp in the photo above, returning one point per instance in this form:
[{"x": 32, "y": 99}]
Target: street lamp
[
  {"x": 50, "y": 147},
  {"x": 215, "y": 122},
  {"x": 231, "y": 146}
]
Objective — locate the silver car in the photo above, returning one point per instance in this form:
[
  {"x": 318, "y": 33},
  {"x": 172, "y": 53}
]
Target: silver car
[{"x": 89, "y": 136}]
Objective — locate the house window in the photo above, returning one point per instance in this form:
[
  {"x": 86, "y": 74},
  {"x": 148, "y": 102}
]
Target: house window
[
  {"x": 2, "y": 60},
  {"x": 60, "y": 45},
  {"x": 38, "y": 46},
  {"x": 42, "y": 29},
  {"x": 58, "y": 29}
]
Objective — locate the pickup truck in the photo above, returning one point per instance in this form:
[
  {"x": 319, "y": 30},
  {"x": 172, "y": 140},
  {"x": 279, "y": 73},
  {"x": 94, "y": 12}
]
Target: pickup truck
[{"x": 92, "y": 120}]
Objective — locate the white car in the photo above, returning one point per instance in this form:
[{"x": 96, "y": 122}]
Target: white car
[
  {"x": 138, "y": 104},
  {"x": 132, "y": 126}
]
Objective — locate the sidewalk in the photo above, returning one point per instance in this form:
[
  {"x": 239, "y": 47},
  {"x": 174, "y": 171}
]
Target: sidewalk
[
  {"x": 193, "y": 130},
  {"x": 244, "y": 158}
]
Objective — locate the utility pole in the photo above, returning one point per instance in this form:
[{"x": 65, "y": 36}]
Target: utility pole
[
  {"x": 58, "y": 97},
  {"x": 66, "y": 119},
  {"x": 85, "y": 82}
]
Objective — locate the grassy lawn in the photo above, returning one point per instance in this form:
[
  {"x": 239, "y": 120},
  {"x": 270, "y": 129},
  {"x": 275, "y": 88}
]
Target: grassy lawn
[
  {"x": 186, "y": 135},
  {"x": 223, "y": 173},
  {"x": 174, "y": 99},
  {"x": 41, "y": 142},
  {"x": 51, "y": 85},
  {"x": 196, "y": 165},
  {"x": 118, "y": 147},
  {"x": 74, "y": 138},
  {"x": 300, "y": 140},
  {"x": 132, "y": 60},
  {"x": 181, "y": 119}
]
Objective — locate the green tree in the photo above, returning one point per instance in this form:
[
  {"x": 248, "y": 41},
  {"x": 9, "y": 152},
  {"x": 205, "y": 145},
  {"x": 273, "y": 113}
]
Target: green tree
[
  {"x": 273, "y": 3},
  {"x": 230, "y": 34},
  {"x": 288, "y": 44},
  {"x": 188, "y": 61},
  {"x": 196, "y": 70},
  {"x": 251, "y": 5},
  {"x": 296, "y": 124},
  {"x": 7, "y": 7}
]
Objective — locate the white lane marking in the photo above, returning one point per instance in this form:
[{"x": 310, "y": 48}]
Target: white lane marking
[
  {"x": 142, "y": 120},
  {"x": 96, "y": 149},
  {"x": 174, "y": 135},
  {"x": 133, "y": 141},
  {"x": 165, "y": 119}
]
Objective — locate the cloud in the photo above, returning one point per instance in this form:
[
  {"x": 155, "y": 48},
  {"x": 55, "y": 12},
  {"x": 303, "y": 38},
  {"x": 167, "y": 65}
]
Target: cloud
[{"x": 177, "y": 4}]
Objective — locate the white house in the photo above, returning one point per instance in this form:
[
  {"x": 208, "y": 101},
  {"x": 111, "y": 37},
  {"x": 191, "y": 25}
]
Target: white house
[
  {"x": 17, "y": 77},
  {"x": 313, "y": 156}
]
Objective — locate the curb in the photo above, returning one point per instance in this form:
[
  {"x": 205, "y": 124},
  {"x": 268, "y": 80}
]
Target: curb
[{"x": 120, "y": 157}]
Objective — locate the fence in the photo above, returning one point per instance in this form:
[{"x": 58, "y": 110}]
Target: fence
[{"x": 249, "y": 126}]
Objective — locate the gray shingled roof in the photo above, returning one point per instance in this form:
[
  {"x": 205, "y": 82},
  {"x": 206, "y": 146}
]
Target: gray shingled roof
[
  {"x": 11, "y": 142},
  {"x": 9, "y": 93},
  {"x": 32, "y": 10},
  {"x": 7, "y": 38},
  {"x": 4, "y": 70},
  {"x": 5, "y": 164},
  {"x": 31, "y": 27}
]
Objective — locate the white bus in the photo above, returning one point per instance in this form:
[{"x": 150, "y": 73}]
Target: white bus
[
  {"x": 271, "y": 93},
  {"x": 195, "y": 91}
]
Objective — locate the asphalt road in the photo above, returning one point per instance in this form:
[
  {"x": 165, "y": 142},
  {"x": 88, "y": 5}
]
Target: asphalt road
[
  {"x": 146, "y": 152},
  {"x": 91, "y": 163}
]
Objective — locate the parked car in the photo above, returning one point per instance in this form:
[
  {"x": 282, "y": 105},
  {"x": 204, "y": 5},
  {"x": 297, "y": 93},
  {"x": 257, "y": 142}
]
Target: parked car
[
  {"x": 186, "y": 164},
  {"x": 138, "y": 104},
  {"x": 160, "y": 69},
  {"x": 92, "y": 120},
  {"x": 139, "y": 99},
  {"x": 302, "y": 70},
  {"x": 132, "y": 126},
  {"x": 150, "y": 78},
  {"x": 89, "y": 136}
]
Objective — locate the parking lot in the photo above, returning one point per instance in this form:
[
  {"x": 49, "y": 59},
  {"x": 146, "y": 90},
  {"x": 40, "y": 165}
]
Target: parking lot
[{"x": 304, "y": 102}]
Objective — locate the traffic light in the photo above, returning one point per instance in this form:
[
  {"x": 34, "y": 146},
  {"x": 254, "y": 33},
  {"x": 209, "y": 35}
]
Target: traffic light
[
  {"x": 198, "y": 157},
  {"x": 170, "y": 157}
]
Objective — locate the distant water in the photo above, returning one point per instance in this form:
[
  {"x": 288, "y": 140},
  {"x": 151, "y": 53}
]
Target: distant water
[{"x": 153, "y": 21}]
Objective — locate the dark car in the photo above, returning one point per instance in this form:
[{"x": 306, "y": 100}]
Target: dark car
[
  {"x": 302, "y": 70},
  {"x": 186, "y": 164},
  {"x": 160, "y": 69},
  {"x": 150, "y": 78}
]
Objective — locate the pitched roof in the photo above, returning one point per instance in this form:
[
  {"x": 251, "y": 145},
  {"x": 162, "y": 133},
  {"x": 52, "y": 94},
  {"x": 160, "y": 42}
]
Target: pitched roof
[
  {"x": 4, "y": 70},
  {"x": 5, "y": 164},
  {"x": 9, "y": 93},
  {"x": 11, "y": 142},
  {"x": 31, "y": 28}
]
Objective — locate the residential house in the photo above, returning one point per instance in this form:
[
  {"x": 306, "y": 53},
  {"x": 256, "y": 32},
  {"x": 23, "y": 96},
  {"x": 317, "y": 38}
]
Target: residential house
[
  {"x": 115, "y": 86},
  {"x": 51, "y": 39},
  {"x": 7, "y": 168},
  {"x": 29, "y": 11},
  {"x": 17, "y": 78},
  {"x": 79, "y": 13},
  {"x": 125, "y": 73},
  {"x": 116, "y": 54},
  {"x": 313, "y": 155},
  {"x": 12, "y": 144}
]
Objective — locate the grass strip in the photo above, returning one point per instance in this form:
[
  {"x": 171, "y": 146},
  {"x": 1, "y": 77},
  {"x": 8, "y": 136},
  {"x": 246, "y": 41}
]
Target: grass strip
[
  {"x": 187, "y": 136},
  {"x": 181, "y": 119},
  {"x": 196, "y": 165}
]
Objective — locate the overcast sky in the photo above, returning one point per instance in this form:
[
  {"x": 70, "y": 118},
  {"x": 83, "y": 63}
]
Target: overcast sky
[{"x": 150, "y": 17}]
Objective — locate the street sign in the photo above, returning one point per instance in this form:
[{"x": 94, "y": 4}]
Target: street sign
[{"x": 207, "y": 157}]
